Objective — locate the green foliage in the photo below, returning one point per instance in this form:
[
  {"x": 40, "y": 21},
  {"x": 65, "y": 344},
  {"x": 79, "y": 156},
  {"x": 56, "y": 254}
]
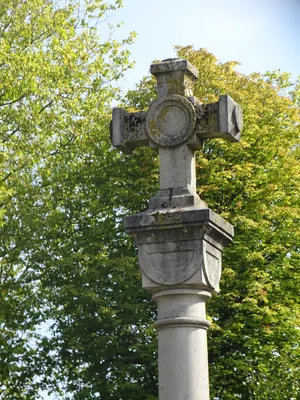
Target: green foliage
[
  {"x": 55, "y": 95},
  {"x": 65, "y": 260}
]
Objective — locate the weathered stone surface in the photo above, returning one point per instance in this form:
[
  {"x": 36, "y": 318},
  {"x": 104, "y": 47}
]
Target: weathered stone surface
[
  {"x": 170, "y": 65},
  {"x": 157, "y": 219},
  {"x": 177, "y": 116},
  {"x": 176, "y": 124},
  {"x": 174, "y": 76},
  {"x": 180, "y": 246},
  {"x": 128, "y": 130},
  {"x": 171, "y": 120},
  {"x": 223, "y": 119}
]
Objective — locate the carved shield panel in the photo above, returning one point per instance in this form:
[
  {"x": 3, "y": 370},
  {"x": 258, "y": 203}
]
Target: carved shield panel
[
  {"x": 170, "y": 263},
  {"x": 212, "y": 265}
]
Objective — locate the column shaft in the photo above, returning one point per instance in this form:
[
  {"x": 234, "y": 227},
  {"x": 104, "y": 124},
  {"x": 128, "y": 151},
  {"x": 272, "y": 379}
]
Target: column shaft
[{"x": 182, "y": 345}]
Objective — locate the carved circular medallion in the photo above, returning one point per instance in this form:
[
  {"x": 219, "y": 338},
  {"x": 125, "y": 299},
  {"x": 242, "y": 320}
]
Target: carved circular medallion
[{"x": 170, "y": 121}]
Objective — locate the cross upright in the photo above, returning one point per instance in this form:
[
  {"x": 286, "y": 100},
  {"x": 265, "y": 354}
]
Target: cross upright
[{"x": 176, "y": 124}]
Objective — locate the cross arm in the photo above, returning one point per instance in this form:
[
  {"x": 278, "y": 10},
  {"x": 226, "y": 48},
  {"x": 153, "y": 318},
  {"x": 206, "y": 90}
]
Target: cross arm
[
  {"x": 128, "y": 130},
  {"x": 223, "y": 119}
]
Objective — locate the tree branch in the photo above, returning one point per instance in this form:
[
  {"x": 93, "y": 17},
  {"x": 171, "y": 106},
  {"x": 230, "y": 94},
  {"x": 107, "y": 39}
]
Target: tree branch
[{"x": 13, "y": 101}]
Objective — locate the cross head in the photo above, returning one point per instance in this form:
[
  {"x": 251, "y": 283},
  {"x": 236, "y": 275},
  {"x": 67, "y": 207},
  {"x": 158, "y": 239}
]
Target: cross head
[{"x": 176, "y": 125}]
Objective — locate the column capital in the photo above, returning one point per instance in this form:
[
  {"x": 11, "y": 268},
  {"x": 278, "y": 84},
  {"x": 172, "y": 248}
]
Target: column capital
[{"x": 180, "y": 249}]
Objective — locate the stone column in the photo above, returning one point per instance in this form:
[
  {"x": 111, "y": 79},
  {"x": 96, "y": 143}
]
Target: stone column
[
  {"x": 179, "y": 240},
  {"x": 182, "y": 344}
]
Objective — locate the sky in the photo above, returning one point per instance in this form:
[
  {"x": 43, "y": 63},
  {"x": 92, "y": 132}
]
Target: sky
[{"x": 262, "y": 35}]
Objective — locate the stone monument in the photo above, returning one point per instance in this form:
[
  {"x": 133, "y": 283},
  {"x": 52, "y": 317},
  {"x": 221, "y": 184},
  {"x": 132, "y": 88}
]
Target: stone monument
[{"x": 179, "y": 239}]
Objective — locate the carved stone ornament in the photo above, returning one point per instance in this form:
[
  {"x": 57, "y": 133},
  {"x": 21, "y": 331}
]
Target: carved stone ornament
[
  {"x": 212, "y": 265},
  {"x": 173, "y": 263},
  {"x": 190, "y": 262},
  {"x": 170, "y": 263},
  {"x": 180, "y": 247},
  {"x": 170, "y": 120}
]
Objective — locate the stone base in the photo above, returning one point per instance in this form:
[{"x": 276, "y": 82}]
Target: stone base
[{"x": 175, "y": 198}]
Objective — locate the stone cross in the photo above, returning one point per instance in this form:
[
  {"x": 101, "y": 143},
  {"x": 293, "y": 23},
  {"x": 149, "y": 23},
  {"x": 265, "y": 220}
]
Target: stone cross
[
  {"x": 180, "y": 241},
  {"x": 176, "y": 124}
]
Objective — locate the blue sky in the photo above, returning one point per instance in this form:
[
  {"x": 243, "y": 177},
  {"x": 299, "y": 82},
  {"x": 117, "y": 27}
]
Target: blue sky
[{"x": 261, "y": 34}]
